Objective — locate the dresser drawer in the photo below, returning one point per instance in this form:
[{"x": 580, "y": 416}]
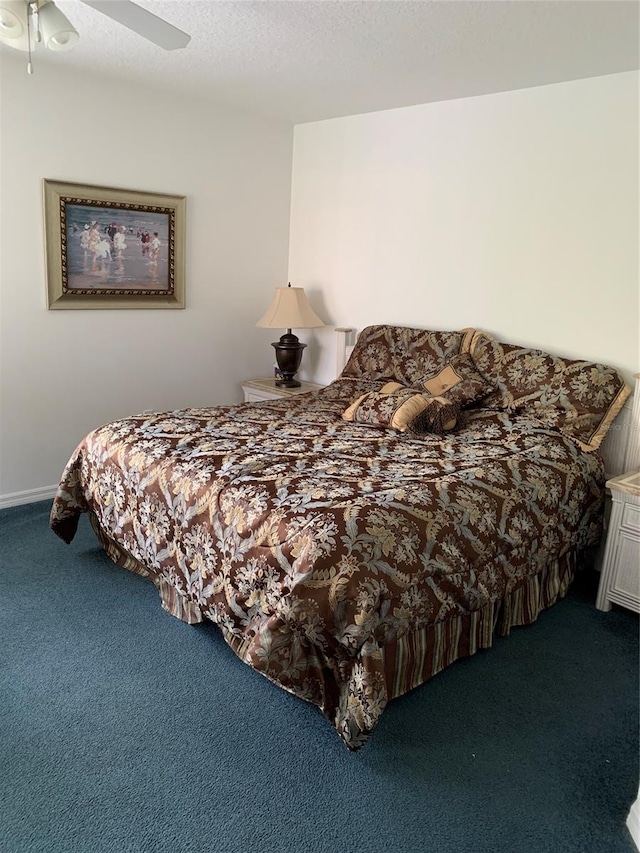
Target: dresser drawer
[
  {"x": 252, "y": 396},
  {"x": 625, "y": 584},
  {"x": 631, "y": 517}
]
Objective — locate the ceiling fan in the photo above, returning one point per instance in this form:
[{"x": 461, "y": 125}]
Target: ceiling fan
[{"x": 24, "y": 22}]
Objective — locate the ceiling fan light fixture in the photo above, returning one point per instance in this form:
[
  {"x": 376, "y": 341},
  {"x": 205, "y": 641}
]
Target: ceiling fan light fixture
[
  {"x": 14, "y": 23},
  {"x": 57, "y": 31},
  {"x": 24, "y": 23}
]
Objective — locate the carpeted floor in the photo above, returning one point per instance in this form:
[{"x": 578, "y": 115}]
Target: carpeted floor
[{"x": 123, "y": 729}]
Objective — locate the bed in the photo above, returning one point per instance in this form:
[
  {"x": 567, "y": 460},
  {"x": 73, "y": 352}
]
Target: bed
[{"x": 345, "y": 556}]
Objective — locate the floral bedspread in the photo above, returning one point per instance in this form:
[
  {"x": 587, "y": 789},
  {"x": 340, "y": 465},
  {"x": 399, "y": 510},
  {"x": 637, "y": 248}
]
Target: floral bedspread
[{"x": 315, "y": 543}]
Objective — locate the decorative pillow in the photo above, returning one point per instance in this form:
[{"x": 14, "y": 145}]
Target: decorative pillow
[
  {"x": 402, "y": 409},
  {"x": 402, "y": 354},
  {"x": 579, "y": 398},
  {"x": 459, "y": 381}
]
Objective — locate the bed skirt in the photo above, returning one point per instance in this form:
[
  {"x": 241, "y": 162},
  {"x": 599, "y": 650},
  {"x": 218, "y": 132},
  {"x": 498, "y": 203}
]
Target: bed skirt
[{"x": 353, "y": 692}]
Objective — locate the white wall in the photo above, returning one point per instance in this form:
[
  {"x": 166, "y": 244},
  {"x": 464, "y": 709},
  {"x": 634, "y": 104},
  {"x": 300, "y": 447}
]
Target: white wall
[
  {"x": 516, "y": 213},
  {"x": 65, "y": 372}
]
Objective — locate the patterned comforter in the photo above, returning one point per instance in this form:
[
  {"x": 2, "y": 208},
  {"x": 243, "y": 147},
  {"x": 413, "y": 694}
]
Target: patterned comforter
[{"x": 329, "y": 553}]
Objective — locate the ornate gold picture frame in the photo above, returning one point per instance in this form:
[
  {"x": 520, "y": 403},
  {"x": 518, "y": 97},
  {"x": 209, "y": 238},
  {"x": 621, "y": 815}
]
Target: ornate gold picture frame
[{"x": 113, "y": 248}]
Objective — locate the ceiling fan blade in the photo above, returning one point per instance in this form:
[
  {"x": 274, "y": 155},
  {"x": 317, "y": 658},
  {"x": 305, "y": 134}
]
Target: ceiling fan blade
[{"x": 145, "y": 23}]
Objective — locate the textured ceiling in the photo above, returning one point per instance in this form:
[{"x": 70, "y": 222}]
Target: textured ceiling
[{"x": 303, "y": 61}]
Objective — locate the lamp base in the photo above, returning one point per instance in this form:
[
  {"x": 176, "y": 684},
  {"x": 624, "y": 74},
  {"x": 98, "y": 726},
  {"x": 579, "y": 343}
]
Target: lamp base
[
  {"x": 288, "y": 357},
  {"x": 288, "y": 383}
]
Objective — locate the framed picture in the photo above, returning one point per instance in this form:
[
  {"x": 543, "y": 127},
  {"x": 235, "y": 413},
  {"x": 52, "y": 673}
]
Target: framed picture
[{"x": 113, "y": 248}]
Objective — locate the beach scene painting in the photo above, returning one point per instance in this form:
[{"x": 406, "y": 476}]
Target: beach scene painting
[
  {"x": 114, "y": 248},
  {"x": 109, "y": 248}
]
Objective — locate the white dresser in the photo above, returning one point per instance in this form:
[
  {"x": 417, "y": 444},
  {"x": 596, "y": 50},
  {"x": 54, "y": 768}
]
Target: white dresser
[
  {"x": 256, "y": 390},
  {"x": 620, "y": 574}
]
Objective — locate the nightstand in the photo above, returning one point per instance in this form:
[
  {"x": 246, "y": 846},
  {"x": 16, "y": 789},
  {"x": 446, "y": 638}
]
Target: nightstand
[
  {"x": 620, "y": 575},
  {"x": 256, "y": 390}
]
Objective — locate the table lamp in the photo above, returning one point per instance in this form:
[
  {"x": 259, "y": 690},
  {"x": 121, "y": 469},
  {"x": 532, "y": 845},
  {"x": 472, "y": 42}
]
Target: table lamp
[{"x": 288, "y": 310}]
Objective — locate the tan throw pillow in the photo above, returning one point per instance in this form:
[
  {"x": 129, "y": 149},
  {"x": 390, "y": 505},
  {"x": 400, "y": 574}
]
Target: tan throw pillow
[
  {"x": 402, "y": 409},
  {"x": 459, "y": 381}
]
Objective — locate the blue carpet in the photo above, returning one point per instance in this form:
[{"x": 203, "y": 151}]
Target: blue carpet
[{"x": 123, "y": 729}]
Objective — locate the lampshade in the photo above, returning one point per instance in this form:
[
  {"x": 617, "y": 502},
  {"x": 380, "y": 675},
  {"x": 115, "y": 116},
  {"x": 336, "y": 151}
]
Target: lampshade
[
  {"x": 56, "y": 30},
  {"x": 289, "y": 309}
]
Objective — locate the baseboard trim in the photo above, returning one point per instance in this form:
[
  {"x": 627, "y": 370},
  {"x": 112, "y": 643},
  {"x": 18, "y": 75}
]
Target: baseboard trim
[
  {"x": 633, "y": 822},
  {"x": 28, "y": 497}
]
